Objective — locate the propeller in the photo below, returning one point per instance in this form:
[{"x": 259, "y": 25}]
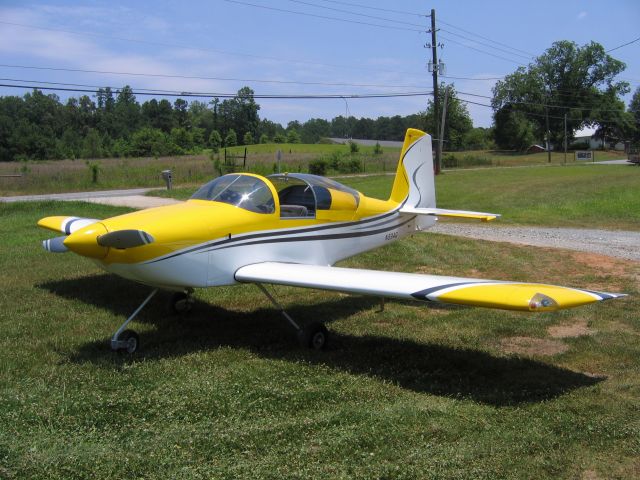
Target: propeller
[
  {"x": 55, "y": 245},
  {"x": 125, "y": 239}
]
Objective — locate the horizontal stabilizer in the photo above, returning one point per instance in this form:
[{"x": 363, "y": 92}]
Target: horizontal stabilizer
[
  {"x": 66, "y": 225},
  {"x": 530, "y": 297},
  {"x": 443, "y": 212},
  {"x": 55, "y": 245},
  {"x": 125, "y": 239}
]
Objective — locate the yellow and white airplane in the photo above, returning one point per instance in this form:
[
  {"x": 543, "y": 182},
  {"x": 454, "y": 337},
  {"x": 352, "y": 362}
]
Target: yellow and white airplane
[{"x": 289, "y": 229}]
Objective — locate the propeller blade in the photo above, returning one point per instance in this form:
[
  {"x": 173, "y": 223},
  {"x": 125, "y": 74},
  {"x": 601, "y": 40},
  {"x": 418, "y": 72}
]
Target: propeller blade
[
  {"x": 55, "y": 245},
  {"x": 125, "y": 239}
]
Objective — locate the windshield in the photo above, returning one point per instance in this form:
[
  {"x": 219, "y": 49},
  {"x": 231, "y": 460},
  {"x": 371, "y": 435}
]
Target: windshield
[{"x": 242, "y": 191}]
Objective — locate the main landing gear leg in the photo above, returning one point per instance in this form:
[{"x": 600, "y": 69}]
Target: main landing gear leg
[
  {"x": 314, "y": 335},
  {"x": 128, "y": 340}
]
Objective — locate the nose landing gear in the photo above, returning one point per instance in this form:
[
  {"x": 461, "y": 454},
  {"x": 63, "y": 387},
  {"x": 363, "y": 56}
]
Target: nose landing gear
[{"x": 128, "y": 340}]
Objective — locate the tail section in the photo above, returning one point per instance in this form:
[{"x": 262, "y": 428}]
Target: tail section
[{"x": 414, "y": 184}]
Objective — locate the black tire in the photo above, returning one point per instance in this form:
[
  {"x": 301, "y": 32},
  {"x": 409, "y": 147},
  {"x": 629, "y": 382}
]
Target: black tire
[
  {"x": 180, "y": 303},
  {"x": 314, "y": 336},
  {"x": 131, "y": 340}
]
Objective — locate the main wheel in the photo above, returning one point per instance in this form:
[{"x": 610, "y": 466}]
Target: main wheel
[
  {"x": 181, "y": 302},
  {"x": 130, "y": 339},
  {"x": 314, "y": 336}
]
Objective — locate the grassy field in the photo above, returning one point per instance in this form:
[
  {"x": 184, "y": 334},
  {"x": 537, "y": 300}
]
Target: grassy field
[
  {"x": 414, "y": 391},
  {"x": 76, "y": 175},
  {"x": 596, "y": 196}
]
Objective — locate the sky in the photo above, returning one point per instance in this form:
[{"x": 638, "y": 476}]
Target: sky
[{"x": 322, "y": 49}]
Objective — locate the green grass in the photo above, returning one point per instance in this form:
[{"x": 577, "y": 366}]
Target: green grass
[
  {"x": 75, "y": 175},
  {"x": 416, "y": 391},
  {"x": 589, "y": 196}
]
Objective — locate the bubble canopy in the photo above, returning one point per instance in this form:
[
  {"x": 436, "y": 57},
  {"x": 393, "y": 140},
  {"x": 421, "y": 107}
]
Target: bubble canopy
[
  {"x": 244, "y": 191},
  {"x": 300, "y": 189}
]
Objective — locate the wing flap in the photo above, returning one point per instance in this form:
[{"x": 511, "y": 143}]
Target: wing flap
[
  {"x": 457, "y": 290},
  {"x": 66, "y": 225},
  {"x": 443, "y": 212}
]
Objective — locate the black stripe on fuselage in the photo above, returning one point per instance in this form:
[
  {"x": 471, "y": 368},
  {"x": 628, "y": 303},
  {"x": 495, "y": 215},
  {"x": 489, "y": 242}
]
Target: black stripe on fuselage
[
  {"x": 309, "y": 238},
  {"x": 276, "y": 233}
]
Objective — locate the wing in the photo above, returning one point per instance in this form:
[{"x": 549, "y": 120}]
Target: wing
[
  {"x": 530, "y": 297},
  {"x": 66, "y": 225}
]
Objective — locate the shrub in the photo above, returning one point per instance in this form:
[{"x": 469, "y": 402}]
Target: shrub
[
  {"x": 351, "y": 166},
  {"x": 353, "y": 147},
  {"x": 377, "y": 150},
  {"x": 318, "y": 167}
]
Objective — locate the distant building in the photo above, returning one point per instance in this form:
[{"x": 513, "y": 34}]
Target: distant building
[{"x": 596, "y": 143}]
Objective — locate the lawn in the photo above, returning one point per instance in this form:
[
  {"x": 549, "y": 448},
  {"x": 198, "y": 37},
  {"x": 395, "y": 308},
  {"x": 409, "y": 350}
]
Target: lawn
[
  {"x": 54, "y": 176},
  {"x": 583, "y": 196},
  {"x": 415, "y": 391}
]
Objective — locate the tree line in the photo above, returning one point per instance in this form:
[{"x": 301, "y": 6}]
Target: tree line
[
  {"x": 567, "y": 79},
  {"x": 115, "y": 124}
]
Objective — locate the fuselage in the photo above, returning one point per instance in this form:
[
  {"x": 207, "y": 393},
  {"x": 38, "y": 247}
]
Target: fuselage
[{"x": 203, "y": 241}]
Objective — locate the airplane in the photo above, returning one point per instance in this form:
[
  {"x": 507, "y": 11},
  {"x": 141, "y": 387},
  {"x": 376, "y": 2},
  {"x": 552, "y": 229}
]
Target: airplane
[{"x": 290, "y": 229}]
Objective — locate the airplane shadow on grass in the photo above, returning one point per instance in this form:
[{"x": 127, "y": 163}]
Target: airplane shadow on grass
[{"x": 422, "y": 367}]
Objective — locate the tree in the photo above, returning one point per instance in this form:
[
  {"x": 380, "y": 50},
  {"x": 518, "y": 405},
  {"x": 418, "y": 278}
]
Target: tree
[
  {"x": 513, "y": 130},
  {"x": 264, "y": 138},
  {"x": 215, "y": 141},
  {"x": 566, "y": 79},
  {"x": 151, "y": 142},
  {"x": 231, "y": 140},
  {"x": 293, "y": 136},
  {"x": 127, "y": 113},
  {"x": 92, "y": 145},
  {"x": 457, "y": 123},
  {"x": 180, "y": 113},
  {"x": 279, "y": 138},
  {"x": 314, "y": 129},
  {"x": 634, "y": 109},
  {"x": 182, "y": 138},
  {"x": 247, "y": 139}
]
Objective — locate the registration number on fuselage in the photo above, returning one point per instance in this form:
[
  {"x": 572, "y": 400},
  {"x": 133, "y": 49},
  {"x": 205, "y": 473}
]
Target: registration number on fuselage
[{"x": 391, "y": 236}]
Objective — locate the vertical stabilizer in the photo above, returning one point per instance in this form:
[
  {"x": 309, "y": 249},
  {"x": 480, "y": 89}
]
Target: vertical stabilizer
[{"x": 414, "y": 183}]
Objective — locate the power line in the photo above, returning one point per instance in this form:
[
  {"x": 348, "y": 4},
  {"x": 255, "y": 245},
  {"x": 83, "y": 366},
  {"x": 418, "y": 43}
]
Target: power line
[
  {"x": 350, "y": 12},
  {"x": 224, "y": 79},
  {"x": 200, "y": 49},
  {"x": 482, "y": 51},
  {"x": 166, "y": 93},
  {"x": 535, "y": 114},
  {"x": 529, "y": 54},
  {"x": 324, "y": 17},
  {"x": 486, "y": 44},
  {"x": 623, "y": 45},
  {"x": 535, "y": 104},
  {"x": 388, "y": 10}
]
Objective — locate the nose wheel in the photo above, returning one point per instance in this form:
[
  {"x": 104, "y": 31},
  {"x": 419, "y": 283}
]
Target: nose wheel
[{"x": 128, "y": 340}]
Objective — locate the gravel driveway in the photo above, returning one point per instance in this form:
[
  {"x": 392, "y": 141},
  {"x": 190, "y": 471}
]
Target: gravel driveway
[{"x": 614, "y": 243}]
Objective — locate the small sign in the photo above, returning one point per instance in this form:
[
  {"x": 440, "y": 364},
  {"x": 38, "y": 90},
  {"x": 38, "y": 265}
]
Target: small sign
[
  {"x": 278, "y": 159},
  {"x": 584, "y": 156}
]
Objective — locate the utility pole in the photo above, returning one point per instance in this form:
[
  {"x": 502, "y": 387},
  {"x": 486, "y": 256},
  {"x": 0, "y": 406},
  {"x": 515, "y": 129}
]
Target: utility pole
[
  {"x": 434, "y": 53},
  {"x": 565, "y": 138},
  {"x": 546, "y": 111},
  {"x": 444, "y": 116}
]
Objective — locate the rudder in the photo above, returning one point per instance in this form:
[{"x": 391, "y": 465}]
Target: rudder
[{"x": 414, "y": 182}]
